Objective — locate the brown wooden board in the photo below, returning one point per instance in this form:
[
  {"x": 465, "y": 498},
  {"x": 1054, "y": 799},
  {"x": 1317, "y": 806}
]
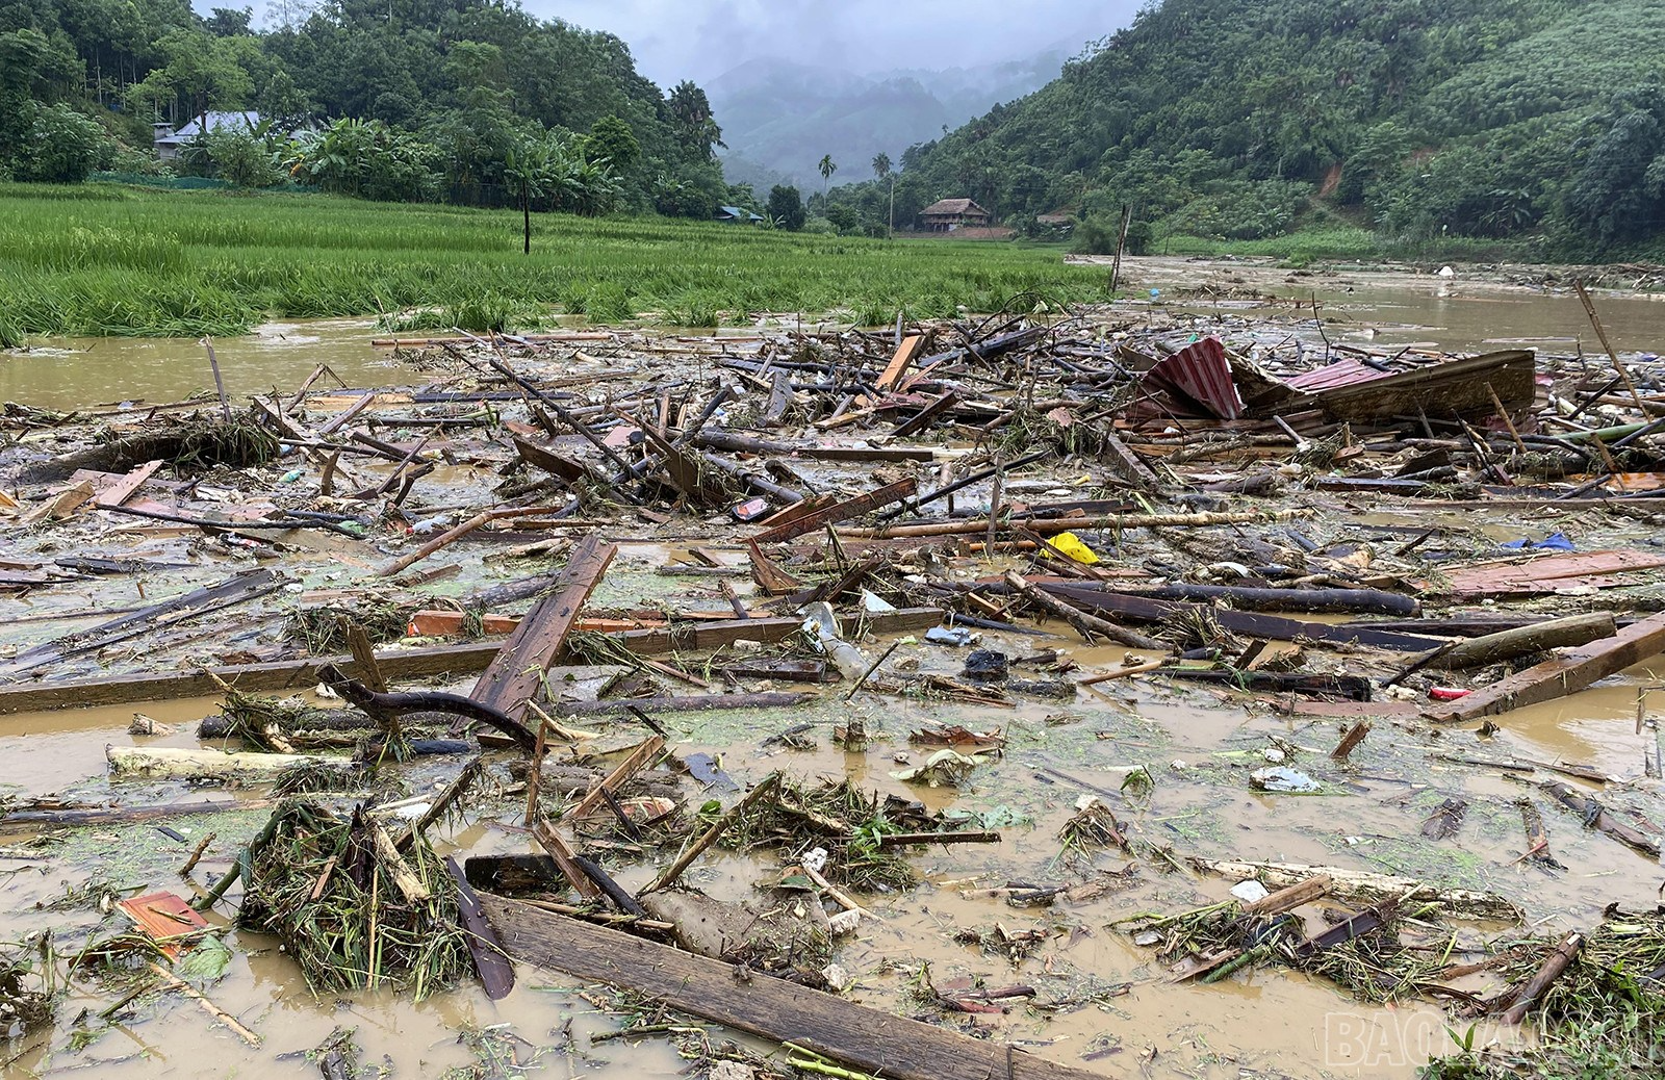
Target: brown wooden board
[
  {"x": 1574, "y": 670},
  {"x": 399, "y": 664},
  {"x": 868, "y": 1039},
  {"x": 513, "y": 676},
  {"x": 843, "y": 511}
]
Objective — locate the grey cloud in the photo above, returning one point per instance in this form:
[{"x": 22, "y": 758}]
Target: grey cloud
[{"x": 675, "y": 40}]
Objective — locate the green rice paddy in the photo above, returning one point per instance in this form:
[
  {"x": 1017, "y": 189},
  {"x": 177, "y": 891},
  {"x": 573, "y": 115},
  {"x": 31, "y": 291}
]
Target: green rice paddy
[{"x": 112, "y": 260}]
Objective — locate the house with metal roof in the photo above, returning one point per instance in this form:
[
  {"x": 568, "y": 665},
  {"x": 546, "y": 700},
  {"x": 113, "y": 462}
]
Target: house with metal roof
[
  {"x": 169, "y": 140},
  {"x": 947, "y": 215},
  {"x": 735, "y": 213}
]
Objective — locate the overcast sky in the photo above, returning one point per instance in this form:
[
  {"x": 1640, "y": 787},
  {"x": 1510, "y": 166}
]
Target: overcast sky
[{"x": 701, "y": 39}]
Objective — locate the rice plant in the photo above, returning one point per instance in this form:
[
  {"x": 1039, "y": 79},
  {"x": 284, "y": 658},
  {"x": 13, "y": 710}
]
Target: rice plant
[{"x": 112, "y": 260}]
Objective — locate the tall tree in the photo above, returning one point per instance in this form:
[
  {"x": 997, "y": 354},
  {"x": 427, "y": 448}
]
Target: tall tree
[{"x": 826, "y": 169}]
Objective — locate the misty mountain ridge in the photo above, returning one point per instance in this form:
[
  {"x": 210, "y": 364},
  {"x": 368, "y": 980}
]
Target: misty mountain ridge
[{"x": 779, "y": 117}]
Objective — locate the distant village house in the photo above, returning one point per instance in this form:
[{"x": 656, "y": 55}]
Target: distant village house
[
  {"x": 169, "y": 140},
  {"x": 949, "y": 215},
  {"x": 737, "y": 214}
]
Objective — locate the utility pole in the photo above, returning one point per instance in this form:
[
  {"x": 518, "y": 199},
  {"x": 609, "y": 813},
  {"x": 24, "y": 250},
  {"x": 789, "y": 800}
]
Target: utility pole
[{"x": 890, "y": 230}]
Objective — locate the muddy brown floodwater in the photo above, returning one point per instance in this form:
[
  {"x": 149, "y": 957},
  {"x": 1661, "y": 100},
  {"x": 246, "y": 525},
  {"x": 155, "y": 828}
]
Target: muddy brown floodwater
[
  {"x": 1113, "y": 1011},
  {"x": 1472, "y": 311}
]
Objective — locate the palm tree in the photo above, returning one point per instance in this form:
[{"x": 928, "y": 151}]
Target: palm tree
[
  {"x": 881, "y": 169},
  {"x": 827, "y": 168}
]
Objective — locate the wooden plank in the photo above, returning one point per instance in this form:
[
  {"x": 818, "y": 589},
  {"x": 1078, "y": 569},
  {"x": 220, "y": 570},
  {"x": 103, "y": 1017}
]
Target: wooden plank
[
  {"x": 1549, "y": 573},
  {"x": 868, "y": 1039},
  {"x": 396, "y": 664},
  {"x": 919, "y": 420},
  {"x": 904, "y": 357},
  {"x": 706, "y": 637},
  {"x": 559, "y": 850},
  {"x": 843, "y": 511},
  {"x": 60, "y": 505},
  {"x": 637, "y": 761},
  {"x": 1457, "y": 387},
  {"x": 514, "y": 674},
  {"x": 237, "y": 589},
  {"x": 1578, "y": 669},
  {"x": 547, "y": 460},
  {"x": 124, "y": 489}
]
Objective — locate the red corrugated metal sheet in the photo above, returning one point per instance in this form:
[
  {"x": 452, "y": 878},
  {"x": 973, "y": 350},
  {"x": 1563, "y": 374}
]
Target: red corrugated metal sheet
[
  {"x": 1199, "y": 374},
  {"x": 1340, "y": 373}
]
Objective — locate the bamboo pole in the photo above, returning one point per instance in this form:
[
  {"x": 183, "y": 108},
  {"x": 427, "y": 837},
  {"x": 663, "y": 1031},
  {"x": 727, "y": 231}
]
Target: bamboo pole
[
  {"x": 1053, "y": 526},
  {"x": 669, "y": 875}
]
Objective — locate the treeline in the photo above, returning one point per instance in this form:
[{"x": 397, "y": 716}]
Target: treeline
[
  {"x": 469, "y": 101},
  {"x": 1537, "y": 120}
]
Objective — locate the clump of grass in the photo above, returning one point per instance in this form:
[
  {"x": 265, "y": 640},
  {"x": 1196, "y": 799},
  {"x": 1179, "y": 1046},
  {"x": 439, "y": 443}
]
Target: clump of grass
[
  {"x": 198, "y": 441},
  {"x": 1196, "y": 627},
  {"x": 323, "y": 629},
  {"x": 1603, "y": 1019},
  {"x": 361, "y": 932},
  {"x": 847, "y": 822},
  {"x": 28, "y": 999}
]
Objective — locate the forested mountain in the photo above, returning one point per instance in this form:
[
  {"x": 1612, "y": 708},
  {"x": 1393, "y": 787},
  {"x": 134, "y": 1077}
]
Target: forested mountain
[
  {"x": 1240, "y": 118},
  {"x": 781, "y": 117},
  {"x": 471, "y": 100}
]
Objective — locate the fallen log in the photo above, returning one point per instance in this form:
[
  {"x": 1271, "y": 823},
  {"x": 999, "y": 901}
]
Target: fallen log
[
  {"x": 686, "y": 703},
  {"x": 1524, "y": 641},
  {"x": 863, "y": 1038},
  {"x": 175, "y": 763},
  {"x": 1529, "y": 992},
  {"x": 1369, "y": 887},
  {"x": 238, "y": 589},
  {"x": 1145, "y": 609},
  {"x": 39, "y": 817},
  {"x": 1086, "y": 625},
  {"x": 1348, "y": 687},
  {"x": 405, "y": 664},
  {"x": 384, "y": 708},
  {"x": 1576, "y": 670},
  {"x": 736, "y": 443},
  {"x": 1363, "y": 601}
]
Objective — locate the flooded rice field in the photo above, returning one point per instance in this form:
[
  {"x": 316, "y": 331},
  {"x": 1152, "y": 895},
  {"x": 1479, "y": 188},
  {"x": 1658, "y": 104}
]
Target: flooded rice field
[{"x": 1104, "y": 694}]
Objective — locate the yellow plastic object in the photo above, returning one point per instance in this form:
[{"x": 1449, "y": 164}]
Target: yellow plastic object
[{"x": 1071, "y": 545}]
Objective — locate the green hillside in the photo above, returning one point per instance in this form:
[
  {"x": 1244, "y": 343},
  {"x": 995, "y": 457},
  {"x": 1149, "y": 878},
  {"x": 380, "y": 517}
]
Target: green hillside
[{"x": 1245, "y": 119}]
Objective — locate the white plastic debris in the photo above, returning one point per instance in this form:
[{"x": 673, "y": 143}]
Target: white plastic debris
[
  {"x": 1249, "y": 891},
  {"x": 815, "y": 859}
]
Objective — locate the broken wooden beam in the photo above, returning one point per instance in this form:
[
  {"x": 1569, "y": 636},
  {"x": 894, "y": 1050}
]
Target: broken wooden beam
[
  {"x": 514, "y": 675},
  {"x": 1578, "y": 669},
  {"x": 404, "y": 664},
  {"x": 864, "y": 1038},
  {"x": 842, "y": 511}
]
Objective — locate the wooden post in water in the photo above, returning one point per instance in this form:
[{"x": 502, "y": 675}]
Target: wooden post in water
[{"x": 219, "y": 383}]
